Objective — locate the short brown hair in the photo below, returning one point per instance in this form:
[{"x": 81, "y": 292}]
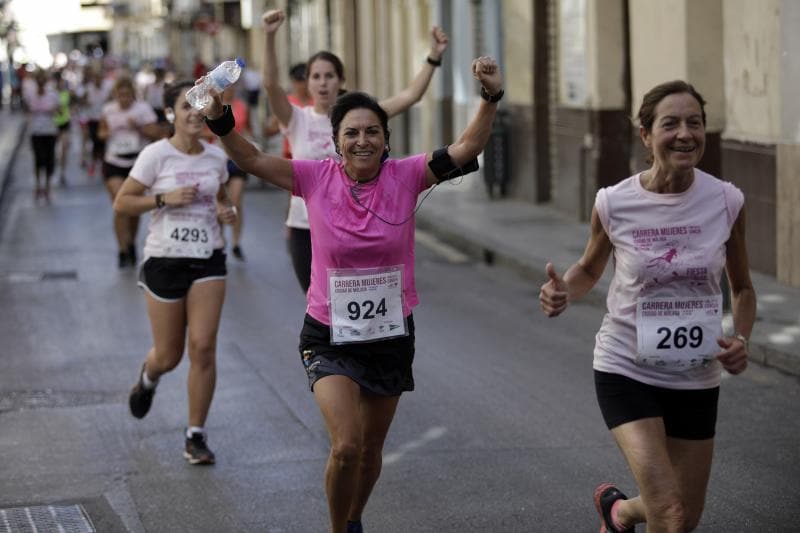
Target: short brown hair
[{"x": 647, "y": 111}]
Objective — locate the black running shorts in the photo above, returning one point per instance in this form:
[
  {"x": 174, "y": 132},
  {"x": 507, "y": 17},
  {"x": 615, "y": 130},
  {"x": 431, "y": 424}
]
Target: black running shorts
[
  {"x": 381, "y": 367},
  {"x": 687, "y": 414},
  {"x": 114, "y": 171},
  {"x": 44, "y": 152},
  {"x": 169, "y": 278}
]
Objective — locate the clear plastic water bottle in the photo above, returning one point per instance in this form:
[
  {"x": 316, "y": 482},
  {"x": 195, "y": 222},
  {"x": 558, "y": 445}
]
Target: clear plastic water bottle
[{"x": 221, "y": 77}]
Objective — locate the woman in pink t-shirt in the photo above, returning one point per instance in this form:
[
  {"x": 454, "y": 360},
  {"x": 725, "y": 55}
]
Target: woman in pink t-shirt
[
  {"x": 309, "y": 130},
  {"x": 357, "y": 341},
  {"x": 658, "y": 356}
]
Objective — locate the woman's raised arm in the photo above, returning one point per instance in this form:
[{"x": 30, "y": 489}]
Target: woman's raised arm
[
  {"x": 278, "y": 102},
  {"x": 476, "y": 134}
]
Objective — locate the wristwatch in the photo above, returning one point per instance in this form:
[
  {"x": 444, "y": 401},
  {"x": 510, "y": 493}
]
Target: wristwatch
[
  {"x": 745, "y": 340},
  {"x": 493, "y": 99}
]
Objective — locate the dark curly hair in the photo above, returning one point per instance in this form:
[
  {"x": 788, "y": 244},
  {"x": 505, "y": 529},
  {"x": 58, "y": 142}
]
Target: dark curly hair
[{"x": 356, "y": 100}]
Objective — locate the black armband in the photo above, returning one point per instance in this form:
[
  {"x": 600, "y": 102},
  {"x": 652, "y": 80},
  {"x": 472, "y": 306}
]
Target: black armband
[
  {"x": 442, "y": 166},
  {"x": 223, "y": 125},
  {"x": 434, "y": 62}
]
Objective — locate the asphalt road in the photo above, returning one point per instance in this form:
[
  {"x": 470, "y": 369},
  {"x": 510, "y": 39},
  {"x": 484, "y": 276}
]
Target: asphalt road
[{"x": 502, "y": 434}]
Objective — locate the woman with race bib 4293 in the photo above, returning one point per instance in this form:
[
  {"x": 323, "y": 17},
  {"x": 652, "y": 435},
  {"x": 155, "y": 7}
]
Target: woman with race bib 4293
[{"x": 183, "y": 274}]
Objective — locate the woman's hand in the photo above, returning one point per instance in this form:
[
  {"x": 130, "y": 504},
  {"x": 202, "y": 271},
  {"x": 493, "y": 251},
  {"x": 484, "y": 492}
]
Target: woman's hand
[
  {"x": 226, "y": 213},
  {"x": 487, "y": 72},
  {"x": 554, "y": 296},
  {"x": 181, "y": 196},
  {"x": 733, "y": 355},
  {"x": 439, "y": 42},
  {"x": 272, "y": 20}
]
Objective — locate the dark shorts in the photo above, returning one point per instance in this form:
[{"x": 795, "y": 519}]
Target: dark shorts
[
  {"x": 236, "y": 172},
  {"x": 687, "y": 414},
  {"x": 98, "y": 145},
  {"x": 299, "y": 245},
  {"x": 169, "y": 278},
  {"x": 44, "y": 152},
  {"x": 252, "y": 97},
  {"x": 381, "y": 367},
  {"x": 161, "y": 116},
  {"x": 113, "y": 171},
  {"x": 64, "y": 127}
]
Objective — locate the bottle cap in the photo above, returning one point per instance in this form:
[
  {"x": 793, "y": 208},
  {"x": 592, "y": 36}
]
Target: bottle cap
[{"x": 240, "y": 62}]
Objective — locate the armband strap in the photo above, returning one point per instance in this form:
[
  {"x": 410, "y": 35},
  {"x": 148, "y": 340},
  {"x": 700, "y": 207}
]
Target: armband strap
[
  {"x": 442, "y": 166},
  {"x": 223, "y": 125},
  {"x": 434, "y": 62}
]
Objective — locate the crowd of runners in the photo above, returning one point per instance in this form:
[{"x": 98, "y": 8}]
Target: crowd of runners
[{"x": 671, "y": 232}]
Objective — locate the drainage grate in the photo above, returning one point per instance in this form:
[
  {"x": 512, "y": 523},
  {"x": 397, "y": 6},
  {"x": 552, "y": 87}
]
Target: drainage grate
[{"x": 46, "y": 518}]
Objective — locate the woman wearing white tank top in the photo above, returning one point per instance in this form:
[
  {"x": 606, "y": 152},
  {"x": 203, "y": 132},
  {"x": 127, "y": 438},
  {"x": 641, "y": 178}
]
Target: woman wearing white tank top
[{"x": 659, "y": 354}]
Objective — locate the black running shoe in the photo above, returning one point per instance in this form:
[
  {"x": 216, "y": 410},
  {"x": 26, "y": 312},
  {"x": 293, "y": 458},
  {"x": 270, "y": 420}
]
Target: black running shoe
[
  {"x": 140, "y": 398},
  {"x": 132, "y": 255},
  {"x": 354, "y": 527},
  {"x": 197, "y": 452},
  {"x": 237, "y": 252},
  {"x": 604, "y": 497},
  {"x": 122, "y": 260}
]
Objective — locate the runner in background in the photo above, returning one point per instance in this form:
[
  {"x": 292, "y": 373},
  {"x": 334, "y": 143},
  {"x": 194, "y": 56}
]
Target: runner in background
[
  {"x": 126, "y": 125},
  {"x": 97, "y": 90},
  {"x": 63, "y": 120},
  {"x": 238, "y": 178},
  {"x": 42, "y": 104},
  {"x": 298, "y": 95}
]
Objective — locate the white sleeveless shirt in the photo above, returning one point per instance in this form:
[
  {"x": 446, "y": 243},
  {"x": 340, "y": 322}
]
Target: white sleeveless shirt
[{"x": 666, "y": 246}]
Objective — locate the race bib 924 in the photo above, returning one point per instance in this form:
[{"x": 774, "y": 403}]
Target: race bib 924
[{"x": 366, "y": 304}]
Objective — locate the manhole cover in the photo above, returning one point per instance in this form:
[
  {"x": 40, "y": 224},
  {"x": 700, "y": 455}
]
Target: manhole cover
[{"x": 46, "y": 519}]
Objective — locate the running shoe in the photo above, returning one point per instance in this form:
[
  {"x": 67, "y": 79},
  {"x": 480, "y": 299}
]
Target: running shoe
[
  {"x": 197, "y": 452},
  {"x": 354, "y": 527},
  {"x": 604, "y": 497},
  {"x": 132, "y": 255},
  {"x": 140, "y": 398}
]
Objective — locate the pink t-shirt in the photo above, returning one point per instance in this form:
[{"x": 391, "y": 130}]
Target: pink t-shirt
[
  {"x": 665, "y": 246},
  {"x": 348, "y": 235}
]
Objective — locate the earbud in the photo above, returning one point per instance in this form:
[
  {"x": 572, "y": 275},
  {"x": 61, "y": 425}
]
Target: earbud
[{"x": 170, "y": 115}]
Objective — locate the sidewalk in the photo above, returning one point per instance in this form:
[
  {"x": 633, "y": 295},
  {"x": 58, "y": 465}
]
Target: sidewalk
[
  {"x": 12, "y": 133},
  {"x": 525, "y": 236}
]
